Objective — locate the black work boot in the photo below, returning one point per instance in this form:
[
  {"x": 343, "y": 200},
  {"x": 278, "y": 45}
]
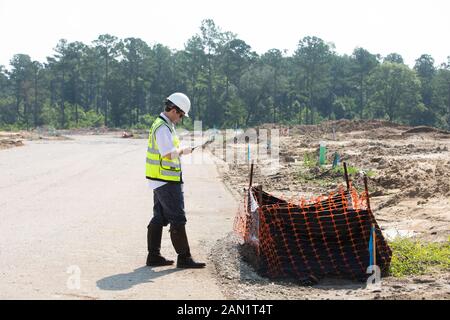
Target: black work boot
[
  {"x": 181, "y": 245},
  {"x": 154, "y": 258}
]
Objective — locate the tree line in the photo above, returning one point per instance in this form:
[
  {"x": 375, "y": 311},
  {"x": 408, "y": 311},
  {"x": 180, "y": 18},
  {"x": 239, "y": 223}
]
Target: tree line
[{"x": 123, "y": 82}]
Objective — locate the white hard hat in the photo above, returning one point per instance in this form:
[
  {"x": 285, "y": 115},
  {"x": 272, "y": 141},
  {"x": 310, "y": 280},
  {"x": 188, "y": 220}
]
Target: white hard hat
[{"x": 181, "y": 101}]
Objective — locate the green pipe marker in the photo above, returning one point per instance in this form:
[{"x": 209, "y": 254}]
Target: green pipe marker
[
  {"x": 322, "y": 153},
  {"x": 336, "y": 160}
]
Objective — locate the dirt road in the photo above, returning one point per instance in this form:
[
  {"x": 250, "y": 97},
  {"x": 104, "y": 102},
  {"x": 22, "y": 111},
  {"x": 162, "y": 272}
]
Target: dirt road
[{"x": 74, "y": 216}]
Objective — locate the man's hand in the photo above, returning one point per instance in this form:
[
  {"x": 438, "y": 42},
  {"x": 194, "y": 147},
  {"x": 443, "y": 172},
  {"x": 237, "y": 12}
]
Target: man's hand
[
  {"x": 186, "y": 151},
  {"x": 177, "y": 153}
]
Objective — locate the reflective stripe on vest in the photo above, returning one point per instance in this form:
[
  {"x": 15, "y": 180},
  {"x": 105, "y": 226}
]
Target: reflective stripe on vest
[
  {"x": 151, "y": 150},
  {"x": 171, "y": 173},
  {"x": 157, "y": 167},
  {"x": 164, "y": 163}
]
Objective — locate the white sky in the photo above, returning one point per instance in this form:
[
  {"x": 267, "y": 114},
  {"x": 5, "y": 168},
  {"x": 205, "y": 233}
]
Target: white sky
[{"x": 408, "y": 27}]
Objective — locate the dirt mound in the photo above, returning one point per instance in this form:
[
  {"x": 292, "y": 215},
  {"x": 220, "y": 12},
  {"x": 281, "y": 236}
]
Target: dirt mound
[
  {"x": 6, "y": 143},
  {"x": 16, "y": 139},
  {"x": 341, "y": 129},
  {"x": 342, "y": 125},
  {"x": 424, "y": 129},
  {"x": 14, "y": 135},
  {"x": 423, "y": 180},
  {"x": 11, "y": 139},
  {"x": 359, "y": 125},
  {"x": 89, "y": 131}
]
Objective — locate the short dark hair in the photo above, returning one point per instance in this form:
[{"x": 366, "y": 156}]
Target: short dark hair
[{"x": 169, "y": 105}]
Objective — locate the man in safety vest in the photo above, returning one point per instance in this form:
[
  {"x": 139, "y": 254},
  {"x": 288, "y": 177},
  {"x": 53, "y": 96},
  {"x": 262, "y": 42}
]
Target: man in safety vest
[{"x": 163, "y": 169}]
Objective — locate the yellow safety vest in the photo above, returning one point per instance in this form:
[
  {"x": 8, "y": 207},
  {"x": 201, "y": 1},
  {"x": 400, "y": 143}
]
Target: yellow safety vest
[{"x": 157, "y": 167}]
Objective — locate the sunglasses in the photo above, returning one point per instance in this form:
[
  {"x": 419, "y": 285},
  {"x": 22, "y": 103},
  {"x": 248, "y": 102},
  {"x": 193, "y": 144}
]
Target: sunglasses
[{"x": 180, "y": 112}]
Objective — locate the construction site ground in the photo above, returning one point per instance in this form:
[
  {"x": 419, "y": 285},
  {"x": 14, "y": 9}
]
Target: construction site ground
[
  {"x": 78, "y": 201},
  {"x": 409, "y": 184}
]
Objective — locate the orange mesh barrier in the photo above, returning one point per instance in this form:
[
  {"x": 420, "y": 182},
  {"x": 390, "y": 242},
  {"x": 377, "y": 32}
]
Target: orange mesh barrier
[{"x": 308, "y": 240}]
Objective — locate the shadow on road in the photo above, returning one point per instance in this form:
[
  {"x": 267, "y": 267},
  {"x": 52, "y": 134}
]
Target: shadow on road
[{"x": 124, "y": 281}]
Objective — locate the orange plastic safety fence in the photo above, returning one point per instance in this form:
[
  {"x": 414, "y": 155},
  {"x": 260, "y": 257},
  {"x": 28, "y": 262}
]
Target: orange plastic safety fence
[{"x": 326, "y": 236}]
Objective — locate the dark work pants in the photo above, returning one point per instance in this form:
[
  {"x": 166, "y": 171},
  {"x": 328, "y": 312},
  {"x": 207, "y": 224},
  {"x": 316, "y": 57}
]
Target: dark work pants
[{"x": 168, "y": 205}]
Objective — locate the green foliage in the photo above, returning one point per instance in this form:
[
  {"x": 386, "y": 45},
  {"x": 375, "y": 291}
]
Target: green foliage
[
  {"x": 310, "y": 160},
  {"x": 91, "y": 119},
  {"x": 186, "y": 124},
  {"x": 7, "y": 111},
  {"x": 145, "y": 122},
  {"x": 395, "y": 92},
  {"x": 394, "y": 58},
  {"x": 235, "y": 112},
  {"x": 345, "y": 107},
  {"x": 50, "y": 115},
  {"x": 412, "y": 257},
  {"x": 313, "y": 59},
  {"x": 118, "y": 82},
  {"x": 12, "y": 127}
]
